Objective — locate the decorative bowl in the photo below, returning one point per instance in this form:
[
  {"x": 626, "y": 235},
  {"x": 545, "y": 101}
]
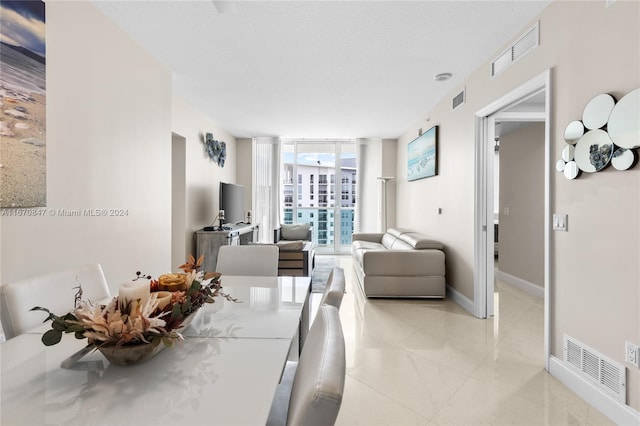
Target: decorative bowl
[{"x": 132, "y": 354}]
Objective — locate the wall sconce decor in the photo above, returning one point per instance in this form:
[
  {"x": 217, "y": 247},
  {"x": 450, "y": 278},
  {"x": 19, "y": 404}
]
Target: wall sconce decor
[
  {"x": 607, "y": 134},
  {"x": 217, "y": 150}
]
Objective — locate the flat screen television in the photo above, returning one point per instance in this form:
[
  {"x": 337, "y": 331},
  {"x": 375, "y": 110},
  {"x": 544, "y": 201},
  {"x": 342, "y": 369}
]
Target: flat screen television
[{"x": 232, "y": 202}]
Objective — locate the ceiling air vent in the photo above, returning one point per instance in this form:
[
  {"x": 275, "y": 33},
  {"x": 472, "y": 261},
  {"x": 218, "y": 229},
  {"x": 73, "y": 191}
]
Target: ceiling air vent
[
  {"x": 458, "y": 99},
  {"x": 607, "y": 375},
  {"x": 527, "y": 41}
]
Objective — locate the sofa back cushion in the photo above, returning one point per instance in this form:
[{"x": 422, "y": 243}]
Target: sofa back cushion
[
  {"x": 399, "y": 244},
  {"x": 294, "y": 232},
  {"x": 388, "y": 240},
  {"x": 396, "y": 232},
  {"x": 419, "y": 242}
]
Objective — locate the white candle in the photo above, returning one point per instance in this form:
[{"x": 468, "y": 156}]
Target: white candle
[{"x": 134, "y": 290}]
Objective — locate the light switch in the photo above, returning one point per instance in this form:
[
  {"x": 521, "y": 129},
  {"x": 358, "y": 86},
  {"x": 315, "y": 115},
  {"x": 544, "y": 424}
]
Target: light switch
[{"x": 560, "y": 222}]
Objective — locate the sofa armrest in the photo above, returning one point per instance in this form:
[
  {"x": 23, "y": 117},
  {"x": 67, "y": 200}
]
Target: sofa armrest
[
  {"x": 373, "y": 237},
  {"x": 403, "y": 262}
]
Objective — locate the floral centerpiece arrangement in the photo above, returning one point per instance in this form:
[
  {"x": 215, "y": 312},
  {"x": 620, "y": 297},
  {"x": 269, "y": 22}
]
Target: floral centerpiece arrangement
[{"x": 144, "y": 318}]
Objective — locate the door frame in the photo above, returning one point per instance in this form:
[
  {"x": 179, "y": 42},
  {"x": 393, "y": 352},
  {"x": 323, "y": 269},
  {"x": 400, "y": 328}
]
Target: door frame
[{"x": 483, "y": 196}]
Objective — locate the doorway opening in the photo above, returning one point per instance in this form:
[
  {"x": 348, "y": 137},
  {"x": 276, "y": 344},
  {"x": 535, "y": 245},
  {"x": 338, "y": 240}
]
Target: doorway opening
[{"x": 514, "y": 107}]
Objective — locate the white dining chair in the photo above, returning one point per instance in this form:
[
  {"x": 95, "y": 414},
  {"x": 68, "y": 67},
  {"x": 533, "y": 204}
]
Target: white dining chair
[
  {"x": 312, "y": 396},
  {"x": 334, "y": 290},
  {"x": 248, "y": 260},
  {"x": 55, "y": 291}
]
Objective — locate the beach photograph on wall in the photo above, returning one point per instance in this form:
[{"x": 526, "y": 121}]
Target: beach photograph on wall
[
  {"x": 23, "y": 172},
  {"x": 422, "y": 155}
]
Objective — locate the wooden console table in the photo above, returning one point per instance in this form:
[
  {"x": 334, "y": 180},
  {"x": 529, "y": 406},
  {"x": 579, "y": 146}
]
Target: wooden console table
[{"x": 208, "y": 242}]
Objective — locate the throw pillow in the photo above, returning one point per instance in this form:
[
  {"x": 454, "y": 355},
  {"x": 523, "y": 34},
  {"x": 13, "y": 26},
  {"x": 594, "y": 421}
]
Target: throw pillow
[
  {"x": 294, "y": 232},
  {"x": 290, "y": 245}
]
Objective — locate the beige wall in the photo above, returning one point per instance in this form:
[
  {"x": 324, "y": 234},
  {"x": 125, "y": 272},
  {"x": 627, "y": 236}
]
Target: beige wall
[
  {"x": 388, "y": 165},
  {"x": 595, "y": 296},
  {"x": 109, "y": 147},
  {"x": 203, "y": 176},
  {"x": 244, "y": 169},
  {"x": 368, "y": 189},
  {"x": 109, "y": 136},
  {"x": 109, "y": 131},
  {"x": 521, "y": 241}
]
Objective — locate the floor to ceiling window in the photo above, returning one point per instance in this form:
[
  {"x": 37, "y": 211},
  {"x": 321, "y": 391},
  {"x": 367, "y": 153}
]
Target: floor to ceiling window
[{"x": 319, "y": 187}]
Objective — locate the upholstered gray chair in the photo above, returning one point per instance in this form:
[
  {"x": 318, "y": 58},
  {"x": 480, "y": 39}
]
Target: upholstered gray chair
[
  {"x": 248, "y": 260},
  {"x": 334, "y": 290},
  {"x": 293, "y": 232},
  {"x": 297, "y": 253},
  {"x": 317, "y": 387},
  {"x": 55, "y": 291}
]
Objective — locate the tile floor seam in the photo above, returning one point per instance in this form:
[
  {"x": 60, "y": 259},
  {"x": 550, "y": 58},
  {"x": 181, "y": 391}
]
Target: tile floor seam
[{"x": 389, "y": 397}]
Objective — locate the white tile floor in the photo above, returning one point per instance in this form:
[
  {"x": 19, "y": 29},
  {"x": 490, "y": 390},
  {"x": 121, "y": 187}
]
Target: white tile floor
[{"x": 429, "y": 362}]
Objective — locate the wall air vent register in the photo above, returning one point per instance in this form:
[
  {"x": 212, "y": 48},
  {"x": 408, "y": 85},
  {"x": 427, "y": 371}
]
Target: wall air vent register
[
  {"x": 459, "y": 99},
  {"x": 607, "y": 375},
  {"x": 527, "y": 42}
]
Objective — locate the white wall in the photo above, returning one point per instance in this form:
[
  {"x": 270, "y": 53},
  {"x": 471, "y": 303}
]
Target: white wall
[
  {"x": 109, "y": 145},
  {"x": 244, "y": 169},
  {"x": 203, "y": 176},
  {"x": 376, "y": 158},
  {"x": 388, "y": 168},
  {"x": 595, "y": 296},
  {"x": 178, "y": 199},
  {"x": 368, "y": 187}
]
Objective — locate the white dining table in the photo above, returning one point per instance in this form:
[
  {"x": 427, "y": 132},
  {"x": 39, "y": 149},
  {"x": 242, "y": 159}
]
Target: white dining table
[
  {"x": 225, "y": 372},
  {"x": 267, "y": 307}
]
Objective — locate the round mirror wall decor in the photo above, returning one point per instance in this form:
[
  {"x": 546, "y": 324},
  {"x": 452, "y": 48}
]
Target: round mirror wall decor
[
  {"x": 593, "y": 151},
  {"x": 568, "y": 152},
  {"x": 624, "y": 122},
  {"x": 596, "y": 113},
  {"x": 573, "y": 132},
  {"x": 607, "y": 133},
  {"x": 571, "y": 170},
  {"x": 623, "y": 159}
]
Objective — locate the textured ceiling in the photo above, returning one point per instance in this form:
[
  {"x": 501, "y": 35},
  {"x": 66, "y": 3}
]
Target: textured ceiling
[{"x": 319, "y": 69}]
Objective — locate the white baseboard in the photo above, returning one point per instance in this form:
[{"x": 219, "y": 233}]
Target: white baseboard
[
  {"x": 460, "y": 299},
  {"x": 619, "y": 413},
  {"x": 524, "y": 285}
]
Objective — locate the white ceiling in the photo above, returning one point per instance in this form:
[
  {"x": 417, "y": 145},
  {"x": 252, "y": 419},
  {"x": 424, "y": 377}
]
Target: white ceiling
[{"x": 319, "y": 69}]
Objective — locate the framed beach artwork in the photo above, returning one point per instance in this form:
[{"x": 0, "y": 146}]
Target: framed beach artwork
[
  {"x": 23, "y": 157},
  {"x": 422, "y": 159}
]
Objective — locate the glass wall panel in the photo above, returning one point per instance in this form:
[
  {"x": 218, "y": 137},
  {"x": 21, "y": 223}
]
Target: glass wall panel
[{"x": 324, "y": 190}]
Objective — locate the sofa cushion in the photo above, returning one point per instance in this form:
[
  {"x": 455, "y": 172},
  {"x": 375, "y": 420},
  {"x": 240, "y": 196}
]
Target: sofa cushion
[
  {"x": 367, "y": 245},
  {"x": 419, "y": 241},
  {"x": 399, "y": 244},
  {"x": 294, "y": 232},
  {"x": 290, "y": 245},
  {"x": 396, "y": 232},
  {"x": 388, "y": 240}
]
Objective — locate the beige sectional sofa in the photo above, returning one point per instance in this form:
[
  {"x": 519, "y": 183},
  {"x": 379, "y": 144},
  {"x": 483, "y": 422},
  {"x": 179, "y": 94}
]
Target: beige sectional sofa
[{"x": 399, "y": 263}]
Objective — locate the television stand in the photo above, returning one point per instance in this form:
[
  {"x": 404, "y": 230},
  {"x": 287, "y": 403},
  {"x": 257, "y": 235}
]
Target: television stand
[{"x": 208, "y": 243}]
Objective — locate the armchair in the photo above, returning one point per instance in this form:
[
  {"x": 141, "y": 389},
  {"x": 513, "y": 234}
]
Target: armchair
[{"x": 296, "y": 257}]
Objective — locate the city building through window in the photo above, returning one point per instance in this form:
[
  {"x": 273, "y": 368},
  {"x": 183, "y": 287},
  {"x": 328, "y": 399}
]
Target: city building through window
[{"x": 318, "y": 167}]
